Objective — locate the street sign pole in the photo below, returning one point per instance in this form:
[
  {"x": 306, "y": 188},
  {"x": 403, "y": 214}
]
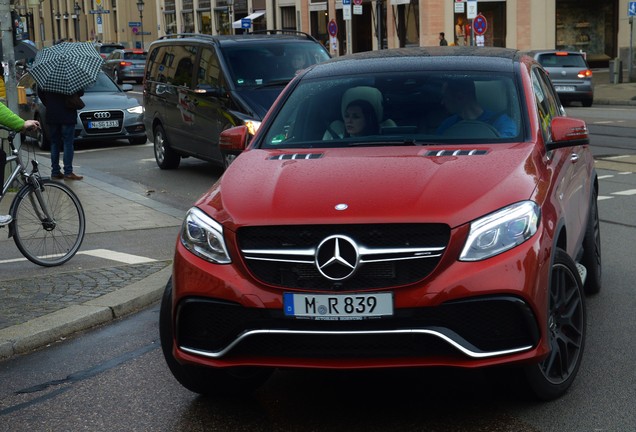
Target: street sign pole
[
  {"x": 630, "y": 66},
  {"x": 346, "y": 15}
]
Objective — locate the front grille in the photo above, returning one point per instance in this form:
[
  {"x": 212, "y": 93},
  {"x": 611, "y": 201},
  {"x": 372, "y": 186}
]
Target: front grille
[
  {"x": 89, "y": 118},
  {"x": 382, "y": 270},
  {"x": 489, "y": 324}
]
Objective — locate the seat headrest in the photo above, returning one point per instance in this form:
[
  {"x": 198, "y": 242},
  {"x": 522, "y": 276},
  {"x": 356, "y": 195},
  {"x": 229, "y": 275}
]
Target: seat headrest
[{"x": 365, "y": 93}]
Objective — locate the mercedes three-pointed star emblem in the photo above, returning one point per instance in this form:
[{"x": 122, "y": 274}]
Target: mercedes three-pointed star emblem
[{"x": 337, "y": 257}]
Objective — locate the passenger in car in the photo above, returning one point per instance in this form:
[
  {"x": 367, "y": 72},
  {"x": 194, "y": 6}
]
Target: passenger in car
[
  {"x": 360, "y": 119},
  {"x": 356, "y": 102},
  {"x": 459, "y": 98}
]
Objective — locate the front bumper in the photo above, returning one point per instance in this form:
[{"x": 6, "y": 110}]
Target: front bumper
[{"x": 464, "y": 314}]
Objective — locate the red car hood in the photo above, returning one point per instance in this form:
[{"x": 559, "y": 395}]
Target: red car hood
[{"x": 384, "y": 184}]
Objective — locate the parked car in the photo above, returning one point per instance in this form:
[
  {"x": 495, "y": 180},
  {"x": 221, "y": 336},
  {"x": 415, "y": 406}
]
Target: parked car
[
  {"x": 125, "y": 64},
  {"x": 110, "y": 113},
  {"x": 461, "y": 230},
  {"x": 570, "y": 74},
  {"x": 105, "y": 49},
  {"x": 199, "y": 85}
]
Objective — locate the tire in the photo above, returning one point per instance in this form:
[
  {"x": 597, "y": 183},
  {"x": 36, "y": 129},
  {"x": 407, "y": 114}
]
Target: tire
[
  {"x": 47, "y": 242},
  {"x": 591, "y": 259},
  {"x": 206, "y": 381},
  {"x": 552, "y": 377},
  {"x": 116, "y": 76},
  {"x": 137, "y": 141},
  {"x": 166, "y": 157},
  {"x": 587, "y": 102}
]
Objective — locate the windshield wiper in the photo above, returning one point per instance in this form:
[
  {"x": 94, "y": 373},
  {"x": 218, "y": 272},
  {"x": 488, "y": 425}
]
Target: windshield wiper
[{"x": 404, "y": 142}]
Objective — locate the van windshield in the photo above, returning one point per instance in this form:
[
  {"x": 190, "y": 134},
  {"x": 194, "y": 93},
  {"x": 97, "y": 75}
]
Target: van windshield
[{"x": 271, "y": 64}]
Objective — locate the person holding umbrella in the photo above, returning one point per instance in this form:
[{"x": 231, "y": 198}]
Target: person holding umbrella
[
  {"x": 61, "y": 118},
  {"x": 62, "y": 72}
]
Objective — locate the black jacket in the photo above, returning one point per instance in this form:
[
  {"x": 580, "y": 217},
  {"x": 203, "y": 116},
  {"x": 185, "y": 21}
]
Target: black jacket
[{"x": 56, "y": 110}]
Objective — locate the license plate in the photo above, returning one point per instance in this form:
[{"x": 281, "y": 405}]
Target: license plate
[
  {"x": 338, "y": 306},
  {"x": 565, "y": 88},
  {"x": 104, "y": 124}
]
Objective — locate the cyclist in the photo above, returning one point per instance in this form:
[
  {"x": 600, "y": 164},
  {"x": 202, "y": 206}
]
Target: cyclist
[{"x": 12, "y": 121}]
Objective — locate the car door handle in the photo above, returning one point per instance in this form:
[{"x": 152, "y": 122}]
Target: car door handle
[{"x": 574, "y": 157}]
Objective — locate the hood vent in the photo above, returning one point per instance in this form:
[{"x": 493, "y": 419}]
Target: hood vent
[
  {"x": 288, "y": 156},
  {"x": 473, "y": 152}
]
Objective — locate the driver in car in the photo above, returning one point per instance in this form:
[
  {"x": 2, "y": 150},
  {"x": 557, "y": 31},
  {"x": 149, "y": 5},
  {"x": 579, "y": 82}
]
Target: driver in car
[{"x": 459, "y": 98}]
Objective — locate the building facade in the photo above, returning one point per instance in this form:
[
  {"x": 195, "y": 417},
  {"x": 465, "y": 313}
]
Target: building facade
[{"x": 599, "y": 28}]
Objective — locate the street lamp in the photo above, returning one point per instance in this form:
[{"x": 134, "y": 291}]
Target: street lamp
[
  {"x": 140, "y": 8},
  {"x": 77, "y": 10}
]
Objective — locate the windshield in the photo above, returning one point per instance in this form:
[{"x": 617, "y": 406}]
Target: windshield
[
  {"x": 403, "y": 108},
  {"x": 103, "y": 84},
  {"x": 271, "y": 64}
]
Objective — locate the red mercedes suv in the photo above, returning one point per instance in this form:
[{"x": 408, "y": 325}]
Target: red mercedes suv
[{"x": 397, "y": 208}]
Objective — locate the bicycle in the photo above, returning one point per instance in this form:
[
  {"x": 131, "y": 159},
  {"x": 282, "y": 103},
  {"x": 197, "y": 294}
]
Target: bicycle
[{"x": 48, "y": 218}]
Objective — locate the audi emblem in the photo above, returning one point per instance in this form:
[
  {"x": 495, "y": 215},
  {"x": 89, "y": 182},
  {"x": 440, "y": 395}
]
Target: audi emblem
[{"x": 101, "y": 115}]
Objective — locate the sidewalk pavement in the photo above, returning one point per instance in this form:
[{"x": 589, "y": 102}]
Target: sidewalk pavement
[
  {"x": 606, "y": 93},
  {"x": 36, "y": 310},
  {"x": 40, "y": 310}
]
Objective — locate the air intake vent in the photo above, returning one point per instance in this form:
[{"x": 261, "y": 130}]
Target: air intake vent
[
  {"x": 473, "y": 152},
  {"x": 297, "y": 156}
]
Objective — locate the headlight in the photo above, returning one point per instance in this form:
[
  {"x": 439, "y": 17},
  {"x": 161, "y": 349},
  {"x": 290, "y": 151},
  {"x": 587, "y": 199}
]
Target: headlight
[
  {"x": 203, "y": 236},
  {"x": 252, "y": 126},
  {"x": 501, "y": 231},
  {"x": 136, "y": 110}
]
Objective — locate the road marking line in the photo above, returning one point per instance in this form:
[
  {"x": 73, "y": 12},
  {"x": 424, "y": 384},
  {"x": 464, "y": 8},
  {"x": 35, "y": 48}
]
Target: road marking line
[
  {"x": 100, "y": 253},
  {"x": 604, "y": 197},
  {"x": 605, "y": 177},
  {"x": 618, "y": 157},
  {"x": 625, "y": 173},
  {"x": 625, "y": 192},
  {"x": 117, "y": 256}
]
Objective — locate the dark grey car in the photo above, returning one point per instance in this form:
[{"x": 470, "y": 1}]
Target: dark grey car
[
  {"x": 125, "y": 64},
  {"x": 570, "y": 74},
  {"x": 109, "y": 113}
]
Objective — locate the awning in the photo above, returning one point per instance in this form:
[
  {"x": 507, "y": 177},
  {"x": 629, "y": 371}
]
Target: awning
[{"x": 253, "y": 16}]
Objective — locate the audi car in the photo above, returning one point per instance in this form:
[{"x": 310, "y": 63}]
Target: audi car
[
  {"x": 417, "y": 207},
  {"x": 110, "y": 113}
]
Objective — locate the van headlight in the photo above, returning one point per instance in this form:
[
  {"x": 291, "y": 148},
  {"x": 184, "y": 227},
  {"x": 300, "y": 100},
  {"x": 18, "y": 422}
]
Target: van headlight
[
  {"x": 501, "y": 231},
  {"x": 252, "y": 126},
  {"x": 203, "y": 236}
]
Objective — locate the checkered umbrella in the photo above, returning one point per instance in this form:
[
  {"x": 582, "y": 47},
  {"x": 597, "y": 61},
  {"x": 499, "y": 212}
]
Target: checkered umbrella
[{"x": 66, "y": 67}]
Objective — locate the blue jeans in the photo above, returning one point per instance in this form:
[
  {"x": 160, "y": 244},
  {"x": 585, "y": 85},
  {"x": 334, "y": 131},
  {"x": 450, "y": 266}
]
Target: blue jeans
[{"x": 62, "y": 135}]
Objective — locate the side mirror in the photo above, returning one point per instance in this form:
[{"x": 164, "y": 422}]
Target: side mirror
[
  {"x": 234, "y": 140},
  {"x": 567, "y": 132},
  {"x": 208, "y": 90}
]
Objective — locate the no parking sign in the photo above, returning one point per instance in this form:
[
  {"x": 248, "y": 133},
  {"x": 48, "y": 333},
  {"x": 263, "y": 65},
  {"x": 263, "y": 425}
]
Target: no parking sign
[{"x": 480, "y": 25}]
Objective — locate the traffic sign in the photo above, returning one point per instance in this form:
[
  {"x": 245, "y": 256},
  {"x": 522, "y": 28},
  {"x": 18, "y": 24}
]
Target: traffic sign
[
  {"x": 480, "y": 25},
  {"x": 632, "y": 9},
  {"x": 332, "y": 28},
  {"x": 357, "y": 2},
  {"x": 134, "y": 23},
  {"x": 246, "y": 23}
]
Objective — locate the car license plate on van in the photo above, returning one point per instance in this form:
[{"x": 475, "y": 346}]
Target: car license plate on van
[
  {"x": 103, "y": 124},
  {"x": 565, "y": 88},
  {"x": 338, "y": 306}
]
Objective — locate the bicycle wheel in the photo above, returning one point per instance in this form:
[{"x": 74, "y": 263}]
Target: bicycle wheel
[{"x": 53, "y": 240}]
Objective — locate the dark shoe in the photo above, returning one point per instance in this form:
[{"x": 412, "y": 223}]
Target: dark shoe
[
  {"x": 5, "y": 220},
  {"x": 59, "y": 176},
  {"x": 73, "y": 176}
]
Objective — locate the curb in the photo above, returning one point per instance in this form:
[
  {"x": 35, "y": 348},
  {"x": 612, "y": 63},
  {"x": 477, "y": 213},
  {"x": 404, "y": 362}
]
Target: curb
[{"x": 44, "y": 330}]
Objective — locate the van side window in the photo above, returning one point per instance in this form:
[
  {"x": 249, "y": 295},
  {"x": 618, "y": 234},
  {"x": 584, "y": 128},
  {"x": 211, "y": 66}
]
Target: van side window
[
  {"x": 183, "y": 60},
  {"x": 209, "y": 69}
]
